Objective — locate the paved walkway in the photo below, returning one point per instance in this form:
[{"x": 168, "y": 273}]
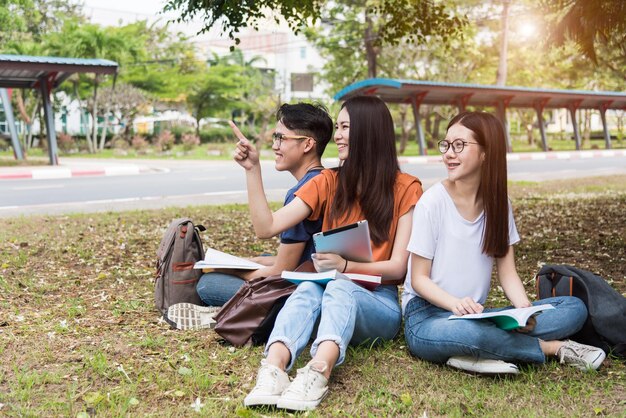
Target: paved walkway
[{"x": 83, "y": 167}]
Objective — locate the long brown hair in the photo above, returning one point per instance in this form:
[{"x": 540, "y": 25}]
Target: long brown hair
[
  {"x": 367, "y": 177},
  {"x": 489, "y": 132}
]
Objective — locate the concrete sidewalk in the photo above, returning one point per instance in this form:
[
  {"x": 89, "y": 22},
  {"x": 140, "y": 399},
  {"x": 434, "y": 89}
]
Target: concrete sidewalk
[{"x": 85, "y": 167}]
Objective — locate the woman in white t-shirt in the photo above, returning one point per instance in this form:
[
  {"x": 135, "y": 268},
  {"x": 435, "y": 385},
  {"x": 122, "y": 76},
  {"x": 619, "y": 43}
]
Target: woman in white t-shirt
[{"x": 459, "y": 227}]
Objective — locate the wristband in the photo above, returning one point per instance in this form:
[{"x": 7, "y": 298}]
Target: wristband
[{"x": 345, "y": 266}]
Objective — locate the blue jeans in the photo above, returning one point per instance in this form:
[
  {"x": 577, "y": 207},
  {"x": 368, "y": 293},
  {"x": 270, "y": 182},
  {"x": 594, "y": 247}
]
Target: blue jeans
[
  {"x": 344, "y": 312},
  {"x": 215, "y": 289},
  {"x": 431, "y": 336}
]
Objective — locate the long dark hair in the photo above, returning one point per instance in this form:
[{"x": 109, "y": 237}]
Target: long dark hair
[
  {"x": 368, "y": 175},
  {"x": 489, "y": 132}
]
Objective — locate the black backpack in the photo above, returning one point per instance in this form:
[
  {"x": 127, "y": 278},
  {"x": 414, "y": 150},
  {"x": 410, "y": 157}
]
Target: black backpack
[
  {"x": 176, "y": 278},
  {"x": 606, "y": 323}
]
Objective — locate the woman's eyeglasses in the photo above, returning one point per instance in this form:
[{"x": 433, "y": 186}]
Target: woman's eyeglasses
[
  {"x": 457, "y": 145},
  {"x": 280, "y": 137}
]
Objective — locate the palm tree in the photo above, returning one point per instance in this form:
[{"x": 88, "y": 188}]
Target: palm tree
[
  {"x": 589, "y": 23},
  {"x": 92, "y": 41}
]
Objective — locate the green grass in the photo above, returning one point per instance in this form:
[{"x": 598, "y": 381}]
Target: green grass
[
  {"x": 223, "y": 151},
  {"x": 80, "y": 336}
]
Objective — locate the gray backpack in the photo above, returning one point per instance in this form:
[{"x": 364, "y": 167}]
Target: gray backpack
[{"x": 176, "y": 278}]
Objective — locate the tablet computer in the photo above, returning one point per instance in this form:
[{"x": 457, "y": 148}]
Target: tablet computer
[{"x": 352, "y": 242}]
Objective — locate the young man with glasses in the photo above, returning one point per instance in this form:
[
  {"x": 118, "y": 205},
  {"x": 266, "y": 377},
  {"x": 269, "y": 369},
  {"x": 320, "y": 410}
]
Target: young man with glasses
[{"x": 302, "y": 132}]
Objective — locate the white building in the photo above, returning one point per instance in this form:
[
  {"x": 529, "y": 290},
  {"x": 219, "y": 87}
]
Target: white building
[{"x": 294, "y": 61}]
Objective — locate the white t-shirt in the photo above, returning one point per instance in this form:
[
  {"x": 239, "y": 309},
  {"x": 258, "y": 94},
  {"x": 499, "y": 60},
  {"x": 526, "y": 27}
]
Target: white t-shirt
[{"x": 454, "y": 245}]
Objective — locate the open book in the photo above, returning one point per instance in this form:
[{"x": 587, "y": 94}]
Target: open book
[
  {"x": 507, "y": 319},
  {"x": 367, "y": 281},
  {"x": 214, "y": 259}
]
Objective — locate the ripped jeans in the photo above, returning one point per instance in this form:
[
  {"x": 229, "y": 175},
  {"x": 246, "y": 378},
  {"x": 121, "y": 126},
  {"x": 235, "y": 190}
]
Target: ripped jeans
[{"x": 343, "y": 312}]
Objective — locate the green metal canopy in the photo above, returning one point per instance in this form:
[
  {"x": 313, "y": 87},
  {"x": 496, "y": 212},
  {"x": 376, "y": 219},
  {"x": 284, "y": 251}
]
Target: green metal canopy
[
  {"x": 417, "y": 92},
  {"x": 457, "y": 94},
  {"x": 44, "y": 74}
]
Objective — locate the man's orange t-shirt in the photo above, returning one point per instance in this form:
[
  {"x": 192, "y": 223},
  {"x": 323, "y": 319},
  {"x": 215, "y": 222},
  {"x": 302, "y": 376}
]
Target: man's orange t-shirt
[{"x": 319, "y": 193}]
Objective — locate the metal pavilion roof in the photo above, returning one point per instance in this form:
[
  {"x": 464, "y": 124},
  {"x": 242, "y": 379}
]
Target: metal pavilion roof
[
  {"x": 24, "y": 71},
  {"x": 456, "y": 94},
  {"x": 44, "y": 74}
]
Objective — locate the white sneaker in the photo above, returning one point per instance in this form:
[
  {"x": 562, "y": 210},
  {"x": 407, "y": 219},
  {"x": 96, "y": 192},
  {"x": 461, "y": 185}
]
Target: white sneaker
[
  {"x": 482, "y": 366},
  {"x": 306, "y": 391},
  {"x": 581, "y": 356},
  {"x": 190, "y": 316},
  {"x": 271, "y": 382}
]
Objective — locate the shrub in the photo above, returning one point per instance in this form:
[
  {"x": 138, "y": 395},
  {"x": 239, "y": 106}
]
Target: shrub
[
  {"x": 165, "y": 141},
  {"x": 4, "y": 144},
  {"x": 189, "y": 141},
  {"x": 180, "y": 131},
  {"x": 119, "y": 143},
  {"x": 66, "y": 142},
  {"x": 139, "y": 143},
  {"x": 222, "y": 134}
]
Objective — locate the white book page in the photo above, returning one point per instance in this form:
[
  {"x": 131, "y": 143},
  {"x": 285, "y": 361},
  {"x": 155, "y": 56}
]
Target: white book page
[
  {"x": 217, "y": 259},
  {"x": 520, "y": 314}
]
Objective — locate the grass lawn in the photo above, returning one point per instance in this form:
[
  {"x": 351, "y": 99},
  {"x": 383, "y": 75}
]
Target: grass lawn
[
  {"x": 79, "y": 335},
  {"x": 223, "y": 151}
]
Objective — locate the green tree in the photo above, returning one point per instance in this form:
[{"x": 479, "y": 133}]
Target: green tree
[
  {"x": 14, "y": 18},
  {"x": 219, "y": 89},
  {"x": 92, "y": 41},
  {"x": 24, "y": 26},
  {"x": 259, "y": 96},
  {"x": 168, "y": 66},
  {"x": 385, "y": 21},
  {"x": 31, "y": 20},
  {"x": 122, "y": 103},
  {"x": 589, "y": 23}
]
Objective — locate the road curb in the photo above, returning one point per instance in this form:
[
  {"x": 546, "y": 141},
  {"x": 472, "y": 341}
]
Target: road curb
[
  {"x": 63, "y": 172},
  {"x": 521, "y": 156},
  {"x": 526, "y": 156},
  {"x": 132, "y": 169}
]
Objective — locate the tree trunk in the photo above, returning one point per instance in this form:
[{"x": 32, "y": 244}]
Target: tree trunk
[
  {"x": 529, "y": 134},
  {"x": 404, "y": 135},
  {"x": 620, "y": 125},
  {"x": 586, "y": 128},
  {"x": 197, "y": 117},
  {"x": 370, "y": 50},
  {"x": 527, "y": 122},
  {"x": 22, "y": 107},
  {"x": 28, "y": 142},
  {"x": 94, "y": 134},
  {"x": 90, "y": 145},
  {"x": 437, "y": 125},
  {"x": 105, "y": 125},
  {"x": 43, "y": 139},
  {"x": 504, "y": 40}
]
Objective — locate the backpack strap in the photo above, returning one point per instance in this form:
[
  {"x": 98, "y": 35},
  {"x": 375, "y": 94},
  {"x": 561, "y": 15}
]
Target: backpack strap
[
  {"x": 552, "y": 283},
  {"x": 168, "y": 237}
]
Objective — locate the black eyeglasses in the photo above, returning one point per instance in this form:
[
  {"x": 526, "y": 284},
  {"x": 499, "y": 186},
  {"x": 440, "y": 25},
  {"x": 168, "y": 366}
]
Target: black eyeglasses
[
  {"x": 280, "y": 137},
  {"x": 457, "y": 145}
]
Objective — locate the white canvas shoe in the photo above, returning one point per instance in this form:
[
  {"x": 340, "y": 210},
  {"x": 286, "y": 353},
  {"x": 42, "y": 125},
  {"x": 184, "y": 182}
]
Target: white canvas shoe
[
  {"x": 190, "y": 316},
  {"x": 482, "y": 366},
  {"x": 582, "y": 356},
  {"x": 306, "y": 391},
  {"x": 271, "y": 382}
]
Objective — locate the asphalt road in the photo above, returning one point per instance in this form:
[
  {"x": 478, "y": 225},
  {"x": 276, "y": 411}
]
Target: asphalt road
[{"x": 183, "y": 183}]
